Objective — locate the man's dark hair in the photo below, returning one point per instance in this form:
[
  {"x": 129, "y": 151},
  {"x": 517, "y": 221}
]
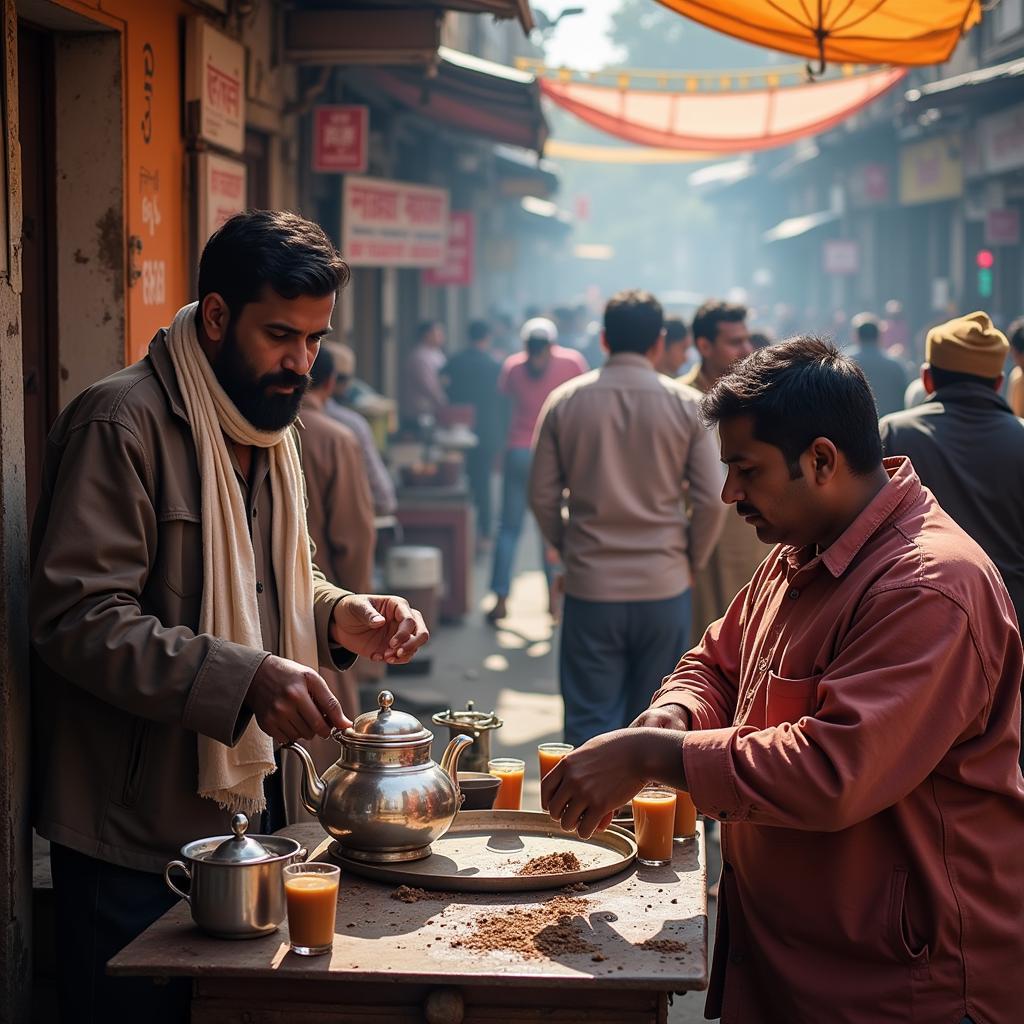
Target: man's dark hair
[
  {"x": 479, "y": 330},
  {"x": 867, "y": 328},
  {"x": 675, "y": 329},
  {"x": 322, "y": 368},
  {"x": 1015, "y": 334},
  {"x": 269, "y": 248},
  {"x": 632, "y": 321},
  {"x": 799, "y": 390},
  {"x": 424, "y": 328},
  {"x": 946, "y": 378},
  {"x": 713, "y": 313}
]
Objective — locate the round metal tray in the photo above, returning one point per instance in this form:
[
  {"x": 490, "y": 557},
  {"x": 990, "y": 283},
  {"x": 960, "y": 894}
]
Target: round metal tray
[{"x": 483, "y": 850}]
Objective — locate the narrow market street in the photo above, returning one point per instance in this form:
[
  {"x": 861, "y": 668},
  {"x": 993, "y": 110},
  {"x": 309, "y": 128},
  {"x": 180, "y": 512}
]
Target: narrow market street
[{"x": 514, "y": 671}]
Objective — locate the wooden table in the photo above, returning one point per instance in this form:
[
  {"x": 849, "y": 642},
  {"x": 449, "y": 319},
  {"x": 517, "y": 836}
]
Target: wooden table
[{"x": 393, "y": 962}]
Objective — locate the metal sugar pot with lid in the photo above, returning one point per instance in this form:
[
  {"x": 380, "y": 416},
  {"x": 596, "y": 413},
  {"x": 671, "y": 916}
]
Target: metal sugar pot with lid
[
  {"x": 478, "y": 725},
  {"x": 384, "y": 799},
  {"x": 236, "y": 882}
]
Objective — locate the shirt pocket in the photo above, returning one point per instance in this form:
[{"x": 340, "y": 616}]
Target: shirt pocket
[
  {"x": 907, "y": 948},
  {"x": 180, "y": 553},
  {"x": 789, "y": 700}
]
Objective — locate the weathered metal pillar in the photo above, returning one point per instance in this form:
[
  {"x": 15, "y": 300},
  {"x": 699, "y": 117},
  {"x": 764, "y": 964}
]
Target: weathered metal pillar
[{"x": 15, "y": 855}]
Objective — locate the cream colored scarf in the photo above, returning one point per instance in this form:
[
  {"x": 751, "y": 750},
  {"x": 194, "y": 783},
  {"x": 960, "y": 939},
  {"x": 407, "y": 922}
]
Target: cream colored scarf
[{"x": 233, "y": 776}]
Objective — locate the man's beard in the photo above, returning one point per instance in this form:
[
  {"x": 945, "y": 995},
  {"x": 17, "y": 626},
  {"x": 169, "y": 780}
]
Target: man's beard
[{"x": 271, "y": 412}]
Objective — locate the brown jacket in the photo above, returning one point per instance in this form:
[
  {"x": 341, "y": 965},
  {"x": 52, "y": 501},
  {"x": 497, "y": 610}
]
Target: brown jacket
[
  {"x": 339, "y": 509},
  {"x": 122, "y": 682}
]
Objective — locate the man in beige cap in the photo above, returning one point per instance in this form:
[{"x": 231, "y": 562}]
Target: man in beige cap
[{"x": 966, "y": 444}]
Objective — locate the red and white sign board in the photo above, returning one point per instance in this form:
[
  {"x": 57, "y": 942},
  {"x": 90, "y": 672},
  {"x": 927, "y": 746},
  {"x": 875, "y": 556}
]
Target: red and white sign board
[
  {"x": 1002, "y": 227},
  {"x": 842, "y": 256},
  {"x": 457, "y": 268},
  {"x": 215, "y": 80},
  {"x": 393, "y": 224},
  {"x": 341, "y": 139},
  {"x": 221, "y": 192}
]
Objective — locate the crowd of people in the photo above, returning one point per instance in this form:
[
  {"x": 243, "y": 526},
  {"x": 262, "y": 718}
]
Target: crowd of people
[{"x": 802, "y": 613}]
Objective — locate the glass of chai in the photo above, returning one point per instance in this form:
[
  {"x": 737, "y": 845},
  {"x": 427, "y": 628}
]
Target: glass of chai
[
  {"x": 510, "y": 770},
  {"x": 549, "y": 754},
  {"x": 654, "y": 818},
  {"x": 686, "y": 816},
  {"x": 311, "y": 892}
]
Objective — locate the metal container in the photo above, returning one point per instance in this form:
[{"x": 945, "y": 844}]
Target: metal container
[
  {"x": 478, "y": 725},
  {"x": 384, "y": 799},
  {"x": 236, "y": 882}
]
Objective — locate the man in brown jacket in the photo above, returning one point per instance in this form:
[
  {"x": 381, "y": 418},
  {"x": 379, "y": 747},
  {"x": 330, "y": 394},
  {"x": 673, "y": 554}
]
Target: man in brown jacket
[
  {"x": 128, "y": 688},
  {"x": 339, "y": 509}
]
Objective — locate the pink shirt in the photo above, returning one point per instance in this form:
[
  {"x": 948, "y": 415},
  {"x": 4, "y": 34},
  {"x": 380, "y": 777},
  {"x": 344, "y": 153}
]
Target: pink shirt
[
  {"x": 855, "y": 727},
  {"x": 528, "y": 394}
]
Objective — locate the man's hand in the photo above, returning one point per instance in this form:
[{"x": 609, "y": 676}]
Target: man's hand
[
  {"x": 378, "y": 628},
  {"x": 292, "y": 702},
  {"x": 582, "y": 791},
  {"x": 668, "y": 716}
]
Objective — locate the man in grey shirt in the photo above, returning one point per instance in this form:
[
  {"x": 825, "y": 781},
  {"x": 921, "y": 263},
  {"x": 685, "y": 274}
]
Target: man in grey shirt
[
  {"x": 625, "y": 442},
  {"x": 887, "y": 377}
]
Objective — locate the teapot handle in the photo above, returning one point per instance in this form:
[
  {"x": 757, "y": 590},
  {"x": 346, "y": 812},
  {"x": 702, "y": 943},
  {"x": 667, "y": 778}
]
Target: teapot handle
[{"x": 170, "y": 885}]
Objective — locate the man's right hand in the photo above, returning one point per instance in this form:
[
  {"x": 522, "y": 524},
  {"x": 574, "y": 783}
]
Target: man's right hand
[
  {"x": 292, "y": 702},
  {"x": 668, "y": 716}
]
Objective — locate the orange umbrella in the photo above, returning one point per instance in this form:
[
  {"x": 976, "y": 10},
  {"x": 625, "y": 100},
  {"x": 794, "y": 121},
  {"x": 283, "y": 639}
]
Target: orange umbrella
[{"x": 857, "y": 31}]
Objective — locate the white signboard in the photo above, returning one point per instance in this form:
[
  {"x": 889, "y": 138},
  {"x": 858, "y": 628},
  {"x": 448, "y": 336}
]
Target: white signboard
[
  {"x": 841, "y": 256},
  {"x": 221, "y": 192},
  {"x": 215, "y": 86},
  {"x": 393, "y": 224},
  {"x": 1001, "y": 140}
]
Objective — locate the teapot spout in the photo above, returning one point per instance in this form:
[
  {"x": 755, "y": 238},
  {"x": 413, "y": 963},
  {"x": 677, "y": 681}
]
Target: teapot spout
[
  {"x": 450, "y": 759},
  {"x": 312, "y": 789}
]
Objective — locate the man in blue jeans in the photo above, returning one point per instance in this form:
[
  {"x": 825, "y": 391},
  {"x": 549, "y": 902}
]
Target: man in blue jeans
[
  {"x": 527, "y": 378},
  {"x": 624, "y": 442}
]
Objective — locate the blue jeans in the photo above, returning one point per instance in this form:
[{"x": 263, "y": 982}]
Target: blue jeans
[
  {"x": 613, "y": 658},
  {"x": 513, "y": 510}
]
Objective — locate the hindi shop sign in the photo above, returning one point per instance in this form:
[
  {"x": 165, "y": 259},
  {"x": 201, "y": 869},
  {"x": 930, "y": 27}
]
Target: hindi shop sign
[
  {"x": 215, "y": 91},
  {"x": 393, "y": 224},
  {"x": 457, "y": 268},
  {"x": 221, "y": 192},
  {"x": 341, "y": 139}
]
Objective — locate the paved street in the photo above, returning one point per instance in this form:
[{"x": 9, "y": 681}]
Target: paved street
[{"x": 514, "y": 671}]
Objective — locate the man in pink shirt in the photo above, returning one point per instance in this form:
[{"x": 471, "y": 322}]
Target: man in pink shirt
[
  {"x": 853, "y": 721},
  {"x": 527, "y": 378}
]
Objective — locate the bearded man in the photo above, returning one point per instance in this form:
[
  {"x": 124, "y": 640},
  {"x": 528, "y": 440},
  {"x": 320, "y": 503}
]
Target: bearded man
[{"x": 177, "y": 620}]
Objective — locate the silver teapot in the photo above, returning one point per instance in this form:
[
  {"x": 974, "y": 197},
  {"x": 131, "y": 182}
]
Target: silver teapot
[{"x": 384, "y": 799}]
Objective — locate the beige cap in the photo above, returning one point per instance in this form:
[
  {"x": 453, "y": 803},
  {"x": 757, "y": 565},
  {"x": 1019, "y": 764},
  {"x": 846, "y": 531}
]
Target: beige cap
[
  {"x": 967, "y": 344},
  {"x": 344, "y": 358}
]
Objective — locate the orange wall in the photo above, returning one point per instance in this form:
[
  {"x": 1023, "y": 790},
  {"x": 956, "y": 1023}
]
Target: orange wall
[{"x": 155, "y": 176}]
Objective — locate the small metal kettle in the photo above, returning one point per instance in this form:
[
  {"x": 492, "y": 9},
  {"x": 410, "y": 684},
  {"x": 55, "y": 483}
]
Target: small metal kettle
[{"x": 384, "y": 799}]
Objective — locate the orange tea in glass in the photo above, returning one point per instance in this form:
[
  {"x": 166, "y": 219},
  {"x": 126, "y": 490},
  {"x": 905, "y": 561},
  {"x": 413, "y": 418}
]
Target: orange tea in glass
[
  {"x": 654, "y": 818},
  {"x": 510, "y": 771}
]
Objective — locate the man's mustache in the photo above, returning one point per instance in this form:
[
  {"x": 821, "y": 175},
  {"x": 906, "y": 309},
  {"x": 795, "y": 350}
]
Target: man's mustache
[
  {"x": 746, "y": 510},
  {"x": 286, "y": 379}
]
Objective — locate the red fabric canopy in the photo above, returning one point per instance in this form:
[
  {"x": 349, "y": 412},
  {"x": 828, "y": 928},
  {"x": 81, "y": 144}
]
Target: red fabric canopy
[{"x": 720, "y": 122}]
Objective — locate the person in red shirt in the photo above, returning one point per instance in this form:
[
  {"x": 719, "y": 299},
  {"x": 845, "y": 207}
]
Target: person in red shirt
[
  {"x": 853, "y": 721},
  {"x": 527, "y": 378}
]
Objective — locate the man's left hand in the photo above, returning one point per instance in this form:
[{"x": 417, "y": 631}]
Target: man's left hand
[
  {"x": 582, "y": 791},
  {"x": 381, "y": 628}
]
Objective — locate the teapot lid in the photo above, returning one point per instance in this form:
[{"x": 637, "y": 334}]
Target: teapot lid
[
  {"x": 239, "y": 848},
  {"x": 387, "y": 725}
]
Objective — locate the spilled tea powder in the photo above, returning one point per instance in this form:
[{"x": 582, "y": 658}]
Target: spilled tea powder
[
  {"x": 546, "y": 931},
  {"x": 551, "y": 864},
  {"x": 663, "y": 946}
]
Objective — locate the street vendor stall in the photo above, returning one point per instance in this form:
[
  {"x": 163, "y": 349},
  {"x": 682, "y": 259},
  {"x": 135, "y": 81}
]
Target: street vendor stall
[
  {"x": 443, "y": 915},
  {"x": 630, "y": 941}
]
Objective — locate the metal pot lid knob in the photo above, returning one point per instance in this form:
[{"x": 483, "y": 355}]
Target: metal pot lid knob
[
  {"x": 239, "y": 848},
  {"x": 387, "y": 725}
]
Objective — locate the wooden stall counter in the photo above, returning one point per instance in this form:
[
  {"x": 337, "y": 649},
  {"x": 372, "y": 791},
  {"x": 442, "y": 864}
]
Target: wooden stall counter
[{"x": 632, "y": 940}]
